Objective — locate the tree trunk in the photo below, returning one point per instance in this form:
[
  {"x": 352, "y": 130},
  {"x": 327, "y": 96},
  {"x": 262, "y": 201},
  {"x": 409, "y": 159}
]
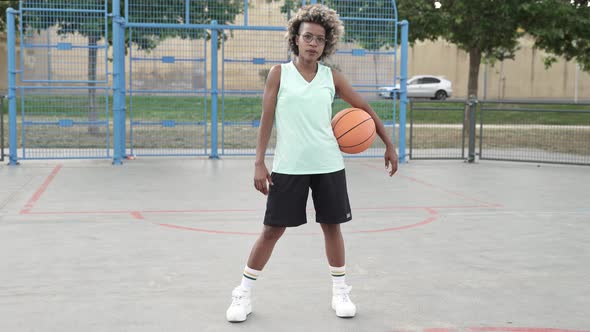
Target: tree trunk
[
  {"x": 472, "y": 86},
  {"x": 92, "y": 109},
  {"x": 474, "y": 62}
]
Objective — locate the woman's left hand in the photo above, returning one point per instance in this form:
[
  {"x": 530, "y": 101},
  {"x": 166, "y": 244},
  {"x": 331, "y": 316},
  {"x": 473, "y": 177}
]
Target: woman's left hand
[{"x": 391, "y": 159}]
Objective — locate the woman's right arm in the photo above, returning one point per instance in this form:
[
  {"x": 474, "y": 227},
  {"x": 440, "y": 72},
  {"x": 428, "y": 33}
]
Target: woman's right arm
[{"x": 269, "y": 102}]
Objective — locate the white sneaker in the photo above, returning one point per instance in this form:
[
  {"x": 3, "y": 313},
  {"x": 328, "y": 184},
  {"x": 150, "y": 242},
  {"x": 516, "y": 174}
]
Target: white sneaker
[
  {"x": 240, "y": 306},
  {"x": 341, "y": 303}
]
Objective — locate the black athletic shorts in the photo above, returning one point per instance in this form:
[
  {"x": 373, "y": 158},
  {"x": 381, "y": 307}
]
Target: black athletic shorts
[{"x": 287, "y": 199}]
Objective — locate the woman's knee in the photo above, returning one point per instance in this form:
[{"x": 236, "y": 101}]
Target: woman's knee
[
  {"x": 331, "y": 229},
  {"x": 271, "y": 233}
]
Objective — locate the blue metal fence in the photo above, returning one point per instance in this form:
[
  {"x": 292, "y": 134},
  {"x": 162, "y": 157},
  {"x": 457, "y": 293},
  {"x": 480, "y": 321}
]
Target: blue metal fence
[
  {"x": 187, "y": 75},
  {"x": 64, "y": 122},
  {"x": 62, "y": 92},
  {"x": 534, "y": 131},
  {"x": 244, "y": 71},
  {"x": 368, "y": 56},
  {"x": 168, "y": 106}
]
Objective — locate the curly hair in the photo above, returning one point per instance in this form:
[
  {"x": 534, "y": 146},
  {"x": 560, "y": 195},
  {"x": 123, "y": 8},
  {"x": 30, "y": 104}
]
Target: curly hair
[{"x": 319, "y": 14}]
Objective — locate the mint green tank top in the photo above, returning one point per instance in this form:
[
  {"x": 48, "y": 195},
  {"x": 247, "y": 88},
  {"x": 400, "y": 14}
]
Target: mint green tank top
[{"x": 303, "y": 114}]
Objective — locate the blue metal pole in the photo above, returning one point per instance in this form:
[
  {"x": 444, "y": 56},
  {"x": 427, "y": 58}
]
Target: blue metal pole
[
  {"x": 204, "y": 26},
  {"x": 49, "y": 58},
  {"x": 246, "y": 12},
  {"x": 214, "y": 91},
  {"x": 403, "y": 95},
  {"x": 126, "y": 9},
  {"x": 11, "y": 43},
  {"x": 187, "y": 12},
  {"x": 118, "y": 87},
  {"x": 122, "y": 87}
]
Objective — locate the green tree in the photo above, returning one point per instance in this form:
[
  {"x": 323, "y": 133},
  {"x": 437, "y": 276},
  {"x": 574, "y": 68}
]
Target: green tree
[
  {"x": 491, "y": 29},
  {"x": 472, "y": 25},
  {"x": 173, "y": 12},
  {"x": 3, "y": 6},
  {"x": 288, "y": 7},
  {"x": 561, "y": 27},
  {"x": 485, "y": 28}
]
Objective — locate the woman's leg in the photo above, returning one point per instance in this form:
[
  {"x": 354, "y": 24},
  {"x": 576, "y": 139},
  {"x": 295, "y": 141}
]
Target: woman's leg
[
  {"x": 334, "y": 244},
  {"x": 241, "y": 305},
  {"x": 263, "y": 247},
  {"x": 341, "y": 302}
]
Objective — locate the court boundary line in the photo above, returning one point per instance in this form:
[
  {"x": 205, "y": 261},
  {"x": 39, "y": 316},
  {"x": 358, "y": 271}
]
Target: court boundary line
[
  {"x": 433, "y": 213},
  {"x": 488, "y": 329},
  {"x": 41, "y": 190}
]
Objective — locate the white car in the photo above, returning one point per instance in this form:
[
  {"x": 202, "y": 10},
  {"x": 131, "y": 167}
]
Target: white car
[{"x": 422, "y": 86}]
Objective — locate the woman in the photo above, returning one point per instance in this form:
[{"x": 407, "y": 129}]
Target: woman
[{"x": 298, "y": 95}]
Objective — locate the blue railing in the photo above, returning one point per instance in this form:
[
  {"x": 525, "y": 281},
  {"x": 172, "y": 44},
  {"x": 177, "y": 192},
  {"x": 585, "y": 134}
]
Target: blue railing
[{"x": 75, "y": 64}]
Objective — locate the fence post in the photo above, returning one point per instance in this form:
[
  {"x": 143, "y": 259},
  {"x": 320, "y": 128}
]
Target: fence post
[
  {"x": 1, "y": 128},
  {"x": 472, "y": 104},
  {"x": 122, "y": 86},
  {"x": 214, "y": 91},
  {"x": 411, "y": 127},
  {"x": 119, "y": 123},
  {"x": 11, "y": 44},
  {"x": 403, "y": 92}
]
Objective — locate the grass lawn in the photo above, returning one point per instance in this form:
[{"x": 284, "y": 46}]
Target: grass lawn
[
  {"x": 241, "y": 113},
  {"x": 236, "y": 109}
]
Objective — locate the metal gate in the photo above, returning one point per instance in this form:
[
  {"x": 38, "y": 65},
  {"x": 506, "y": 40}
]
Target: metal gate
[
  {"x": 59, "y": 106},
  {"x": 244, "y": 68},
  {"x": 167, "y": 107},
  {"x": 437, "y": 129},
  {"x": 169, "y": 92}
]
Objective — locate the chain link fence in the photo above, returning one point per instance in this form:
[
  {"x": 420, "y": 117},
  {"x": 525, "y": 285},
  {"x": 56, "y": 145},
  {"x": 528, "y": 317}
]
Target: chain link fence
[
  {"x": 527, "y": 131},
  {"x": 535, "y": 131}
]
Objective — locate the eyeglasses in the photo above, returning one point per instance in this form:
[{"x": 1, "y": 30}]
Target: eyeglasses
[{"x": 308, "y": 38}]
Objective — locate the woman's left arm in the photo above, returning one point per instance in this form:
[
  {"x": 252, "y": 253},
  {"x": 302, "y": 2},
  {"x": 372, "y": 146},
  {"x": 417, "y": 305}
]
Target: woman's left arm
[{"x": 347, "y": 93}]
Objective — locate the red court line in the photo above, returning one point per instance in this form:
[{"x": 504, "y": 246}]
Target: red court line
[
  {"x": 137, "y": 215},
  {"x": 41, "y": 213},
  {"x": 201, "y": 211},
  {"x": 487, "y": 204},
  {"x": 450, "y": 192},
  {"x": 134, "y": 213},
  {"x": 37, "y": 195},
  {"x": 140, "y": 214},
  {"x": 433, "y": 216},
  {"x": 491, "y": 329},
  {"x": 519, "y": 329},
  {"x": 418, "y": 207},
  {"x": 438, "y": 329},
  {"x": 207, "y": 230},
  {"x": 143, "y": 212}
]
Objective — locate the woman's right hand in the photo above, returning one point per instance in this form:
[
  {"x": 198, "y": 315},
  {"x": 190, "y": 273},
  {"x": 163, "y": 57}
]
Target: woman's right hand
[{"x": 261, "y": 176}]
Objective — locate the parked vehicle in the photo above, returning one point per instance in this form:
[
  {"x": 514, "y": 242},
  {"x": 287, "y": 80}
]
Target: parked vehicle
[{"x": 422, "y": 86}]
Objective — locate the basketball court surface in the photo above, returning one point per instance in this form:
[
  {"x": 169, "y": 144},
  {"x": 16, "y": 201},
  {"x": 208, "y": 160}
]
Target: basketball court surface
[{"x": 159, "y": 244}]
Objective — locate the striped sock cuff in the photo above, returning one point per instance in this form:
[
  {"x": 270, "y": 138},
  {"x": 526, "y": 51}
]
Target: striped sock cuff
[
  {"x": 251, "y": 273},
  {"x": 338, "y": 271}
]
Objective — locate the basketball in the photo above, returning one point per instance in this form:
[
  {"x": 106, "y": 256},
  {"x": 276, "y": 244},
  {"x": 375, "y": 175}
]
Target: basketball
[{"x": 354, "y": 129}]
